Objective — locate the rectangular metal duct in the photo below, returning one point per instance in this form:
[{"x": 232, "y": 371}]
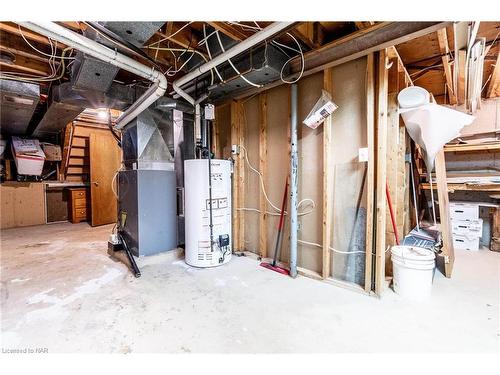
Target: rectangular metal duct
[
  {"x": 136, "y": 33},
  {"x": 66, "y": 103},
  {"x": 260, "y": 66},
  {"x": 90, "y": 73},
  {"x": 148, "y": 141},
  {"x": 18, "y": 101}
]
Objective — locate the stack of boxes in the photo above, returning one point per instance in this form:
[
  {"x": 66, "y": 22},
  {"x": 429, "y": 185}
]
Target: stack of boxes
[{"x": 466, "y": 224}]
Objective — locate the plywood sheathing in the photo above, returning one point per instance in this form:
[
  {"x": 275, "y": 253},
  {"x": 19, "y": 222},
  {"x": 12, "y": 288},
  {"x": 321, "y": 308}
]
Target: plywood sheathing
[{"x": 22, "y": 204}]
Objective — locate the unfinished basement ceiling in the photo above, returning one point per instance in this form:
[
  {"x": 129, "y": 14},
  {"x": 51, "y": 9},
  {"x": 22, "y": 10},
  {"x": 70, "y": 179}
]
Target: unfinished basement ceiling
[
  {"x": 423, "y": 60},
  {"x": 178, "y": 47}
]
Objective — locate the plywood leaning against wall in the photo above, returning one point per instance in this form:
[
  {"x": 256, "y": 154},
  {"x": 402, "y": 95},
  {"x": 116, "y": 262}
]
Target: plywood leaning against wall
[{"x": 22, "y": 204}]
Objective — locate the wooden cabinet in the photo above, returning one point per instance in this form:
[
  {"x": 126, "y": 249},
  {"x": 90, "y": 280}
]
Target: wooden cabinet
[{"x": 79, "y": 205}]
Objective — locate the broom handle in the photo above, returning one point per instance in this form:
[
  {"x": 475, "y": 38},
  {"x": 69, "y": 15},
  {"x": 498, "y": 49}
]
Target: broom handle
[
  {"x": 280, "y": 226},
  {"x": 393, "y": 221}
]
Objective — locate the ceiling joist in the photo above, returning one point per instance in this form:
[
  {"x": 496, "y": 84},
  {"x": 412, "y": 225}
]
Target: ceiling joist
[{"x": 229, "y": 30}]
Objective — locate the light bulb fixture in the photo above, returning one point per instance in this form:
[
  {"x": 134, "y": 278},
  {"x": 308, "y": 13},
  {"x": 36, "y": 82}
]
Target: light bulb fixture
[{"x": 102, "y": 114}]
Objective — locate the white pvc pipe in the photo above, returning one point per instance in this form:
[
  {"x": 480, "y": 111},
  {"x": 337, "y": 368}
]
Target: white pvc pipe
[{"x": 103, "y": 53}]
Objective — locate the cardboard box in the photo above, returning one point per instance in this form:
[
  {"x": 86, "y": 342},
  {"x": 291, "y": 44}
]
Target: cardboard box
[
  {"x": 52, "y": 152},
  {"x": 465, "y": 243},
  {"x": 464, "y": 211},
  {"x": 469, "y": 228}
]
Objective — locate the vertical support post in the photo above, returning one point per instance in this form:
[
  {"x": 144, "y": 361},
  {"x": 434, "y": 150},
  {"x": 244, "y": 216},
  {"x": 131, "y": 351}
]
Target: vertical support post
[
  {"x": 444, "y": 214},
  {"x": 381, "y": 201},
  {"x": 241, "y": 177},
  {"x": 370, "y": 135},
  {"x": 327, "y": 188},
  {"x": 294, "y": 163},
  {"x": 263, "y": 171},
  {"x": 235, "y": 139}
]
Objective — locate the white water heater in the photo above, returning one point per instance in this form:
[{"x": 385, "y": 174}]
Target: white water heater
[{"x": 199, "y": 251}]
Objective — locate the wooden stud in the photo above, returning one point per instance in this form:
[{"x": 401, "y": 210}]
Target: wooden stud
[
  {"x": 241, "y": 177},
  {"x": 381, "y": 202},
  {"x": 235, "y": 123},
  {"x": 494, "y": 85},
  {"x": 327, "y": 185},
  {"x": 462, "y": 58},
  {"x": 370, "y": 129},
  {"x": 495, "y": 230},
  {"x": 448, "y": 253},
  {"x": 445, "y": 50},
  {"x": 392, "y": 151},
  {"x": 263, "y": 171},
  {"x": 402, "y": 176},
  {"x": 215, "y": 140}
]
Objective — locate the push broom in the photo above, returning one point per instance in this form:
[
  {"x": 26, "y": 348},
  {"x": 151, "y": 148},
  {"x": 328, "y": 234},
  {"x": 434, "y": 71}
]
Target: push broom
[{"x": 274, "y": 266}]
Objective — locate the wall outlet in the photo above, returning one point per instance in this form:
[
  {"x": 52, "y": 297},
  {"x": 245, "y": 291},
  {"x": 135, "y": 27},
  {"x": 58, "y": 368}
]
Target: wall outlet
[{"x": 235, "y": 149}]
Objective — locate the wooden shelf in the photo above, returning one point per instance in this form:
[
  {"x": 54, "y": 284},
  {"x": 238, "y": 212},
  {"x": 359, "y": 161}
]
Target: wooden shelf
[
  {"x": 485, "y": 147},
  {"x": 465, "y": 187}
]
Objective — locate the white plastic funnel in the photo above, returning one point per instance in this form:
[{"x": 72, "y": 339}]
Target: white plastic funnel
[{"x": 431, "y": 125}]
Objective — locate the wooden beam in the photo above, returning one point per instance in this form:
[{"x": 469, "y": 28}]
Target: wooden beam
[
  {"x": 445, "y": 50},
  {"x": 370, "y": 129},
  {"x": 229, "y": 30},
  {"x": 28, "y": 34},
  {"x": 358, "y": 44},
  {"x": 360, "y": 25},
  {"x": 309, "y": 33},
  {"x": 494, "y": 85},
  {"x": 447, "y": 251},
  {"x": 362, "y": 42},
  {"x": 381, "y": 201},
  {"x": 27, "y": 62},
  {"x": 263, "y": 171},
  {"x": 22, "y": 65},
  {"x": 327, "y": 178},
  {"x": 181, "y": 39},
  {"x": 392, "y": 53},
  {"x": 19, "y": 47}
]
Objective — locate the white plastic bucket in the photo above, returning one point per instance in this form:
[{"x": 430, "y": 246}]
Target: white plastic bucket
[{"x": 413, "y": 271}]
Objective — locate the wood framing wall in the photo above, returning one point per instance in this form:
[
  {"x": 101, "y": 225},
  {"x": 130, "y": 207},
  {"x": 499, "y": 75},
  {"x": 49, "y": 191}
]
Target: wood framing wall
[{"x": 330, "y": 173}]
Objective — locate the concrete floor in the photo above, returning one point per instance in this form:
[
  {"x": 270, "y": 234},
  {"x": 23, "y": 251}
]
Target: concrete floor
[{"x": 61, "y": 291}]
